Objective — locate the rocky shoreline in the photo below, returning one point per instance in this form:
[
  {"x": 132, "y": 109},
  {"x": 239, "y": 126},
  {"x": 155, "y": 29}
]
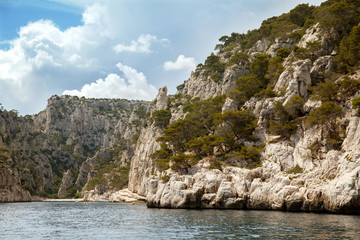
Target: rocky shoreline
[
  {"x": 245, "y": 189},
  {"x": 123, "y": 195}
]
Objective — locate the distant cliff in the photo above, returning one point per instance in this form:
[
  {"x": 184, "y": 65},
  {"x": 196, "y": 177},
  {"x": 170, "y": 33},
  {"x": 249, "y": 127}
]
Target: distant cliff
[{"x": 58, "y": 151}]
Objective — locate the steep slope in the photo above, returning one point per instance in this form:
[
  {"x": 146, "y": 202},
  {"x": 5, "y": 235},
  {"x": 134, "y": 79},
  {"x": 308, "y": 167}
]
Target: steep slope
[
  {"x": 56, "y": 152},
  {"x": 300, "y": 81}
]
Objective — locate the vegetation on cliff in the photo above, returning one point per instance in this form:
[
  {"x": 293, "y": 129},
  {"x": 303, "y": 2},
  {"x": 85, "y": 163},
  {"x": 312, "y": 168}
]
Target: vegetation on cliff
[
  {"x": 206, "y": 131},
  {"x": 67, "y": 134}
]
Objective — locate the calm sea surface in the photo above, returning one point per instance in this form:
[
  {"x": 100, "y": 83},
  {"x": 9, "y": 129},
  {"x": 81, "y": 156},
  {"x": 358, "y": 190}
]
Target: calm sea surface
[{"x": 102, "y": 220}]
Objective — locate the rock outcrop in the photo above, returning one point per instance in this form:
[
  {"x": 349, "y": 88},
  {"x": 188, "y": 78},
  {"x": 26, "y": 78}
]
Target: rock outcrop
[
  {"x": 295, "y": 79},
  {"x": 10, "y": 191},
  {"x": 141, "y": 164},
  {"x": 280, "y": 43},
  {"x": 124, "y": 195},
  {"x": 161, "y": 99},
  {"x": 66, "y": 183},
  {"x": 259, "y": 46},
  {"x": 202, "y": 86}
]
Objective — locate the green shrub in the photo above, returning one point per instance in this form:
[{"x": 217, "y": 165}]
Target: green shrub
[
  {"x": 356, "y": 105},
  {"x": 325, "y": 115},
  {"x": 349, "y": 50},
  {"x": 295, "y": 170},
  {"x": 181, "y": 132},
  {"x": 283, "y": 122},
  {"x": 282, "y": 129},
  {"x": 211, "y": 60},
  {"x": 325, "y": 91},
  {"x": 282, "y": 53},
  {"x": 295, "y": 106},
  {"x": 203, "y": 113},
  {"x": 239, "y": 57},
  {"x": 162, "y": 164},
  {"x": 334, "y": 143},
  {"x": 4, "y": 150},
  {"x": 3, "y": 159},
  {"x": 71, "y": 192},
  {"x": 265, "y": 93},
  {"x": 245, "y": 157},
  {"x": 98, "y": 180},
  {"x": 245, "y": 88},
  {"x": 215, "y": 164},
  {"x": 315, "y": 149},
  {"x": 338, "y": 16},
  {"x": 212, "y": 64},
  {"x": 259, "y": 67},
  {"x": 161, "y": 118},
  {"x": 165, "y": 178},
  {"x": 204, "y": 146},
  {"x": 312, "y": 51},
  {"x": 348, "y": 88},
  {"x": 218, "y": 67},
  {"x": 140, "y": 111},
  {"x": 180, "y": 162},
  {"x": 228, "y": 42},
  {"x": 237, "y": 124},
  {"x": 78, "y": 195},
  {"x": 280, "y": 114},
  {"x": 216, "y": 77},
  {"x": 120, "y": 178},
  {"x": 162, "y": 157},
  {"x": 275, "y": 67},
  {"x": 135, "y": 137}
]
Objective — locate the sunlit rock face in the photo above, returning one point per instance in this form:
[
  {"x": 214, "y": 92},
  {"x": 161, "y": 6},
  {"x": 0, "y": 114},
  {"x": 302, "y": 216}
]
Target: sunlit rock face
[{"x": 293, "y": 176}]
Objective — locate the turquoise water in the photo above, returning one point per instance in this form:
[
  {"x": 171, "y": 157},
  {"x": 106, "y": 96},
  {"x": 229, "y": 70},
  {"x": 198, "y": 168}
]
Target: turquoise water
[{"x": 102, "y": 220}]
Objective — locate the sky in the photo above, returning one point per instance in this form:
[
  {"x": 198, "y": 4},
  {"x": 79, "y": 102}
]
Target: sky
[{"x": 113, "y": 48}]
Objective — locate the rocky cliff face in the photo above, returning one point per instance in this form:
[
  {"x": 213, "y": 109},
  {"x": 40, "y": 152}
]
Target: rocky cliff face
[
  {"x": 328, "y": 183},
  {"x": 9, "y": 187},
  {"x": 53, "y": 151},
  {"x": 202, "y": 86},
  {"x": 291, "y": 177},
  {"x": 298, "y": 173},
  {"x": 141, "y": 165}
]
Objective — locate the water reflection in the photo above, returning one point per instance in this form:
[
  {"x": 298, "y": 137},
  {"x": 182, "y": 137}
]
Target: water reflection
[{"x": 122, "y": 221}]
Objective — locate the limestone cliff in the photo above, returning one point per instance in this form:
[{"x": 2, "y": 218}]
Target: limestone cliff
[
  {"x": 51, "y": 151},
  {"x": 306, "y": 170},
  {"x": 9, "y": 188}
]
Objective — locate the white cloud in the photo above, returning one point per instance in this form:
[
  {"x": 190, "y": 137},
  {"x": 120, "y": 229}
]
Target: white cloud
[
  {"x": 181, "y": 63},
  {"x": 134, "y": 86},
  {"x": 95, "y": 14},
  {"x": 44, "y": 60},
  {"x": 141, "y": 45}
]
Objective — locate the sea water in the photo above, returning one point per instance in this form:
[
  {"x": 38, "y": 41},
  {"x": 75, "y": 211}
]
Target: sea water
[{"x": 102, "y": 220}]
